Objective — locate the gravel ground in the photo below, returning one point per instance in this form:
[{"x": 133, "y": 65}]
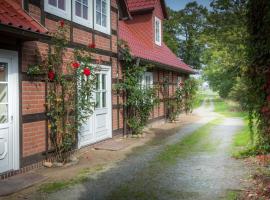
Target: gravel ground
[{"x": 200, "y": 175}]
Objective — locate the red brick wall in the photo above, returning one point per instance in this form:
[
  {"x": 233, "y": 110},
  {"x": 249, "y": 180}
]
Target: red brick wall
[
  {"x": 33, "y": 97},
  {"x": 34, "y": 138},
  {"x": 33, "y": 92},
  {"x": 82, "y": 37}
]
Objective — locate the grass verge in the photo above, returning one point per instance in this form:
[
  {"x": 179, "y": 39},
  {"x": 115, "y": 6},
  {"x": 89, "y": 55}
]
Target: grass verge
[
  {"x": 242, "y": 142},
  {"x": 228, "y": 108},
  {"x": 197, "y": 141},
  {"x": 241, "y": 145},
  {"x": 82, "y": 177}
]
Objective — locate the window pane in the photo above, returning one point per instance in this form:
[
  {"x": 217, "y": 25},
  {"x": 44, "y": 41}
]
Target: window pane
[
  {"x": 85, "y": 2},
  {"x": 98, "y": 5},
  {"x": 98, "y": 100},
  {"x": 104, "y": 5},
  {"x": 78, "y": 9},
  {"x": 3, "y": 72},
  {"x": 103, "y": 81},
  {"x": 104, "y": 20},
  {"x": 98, "y": 82},
  {"x": 98, "y": 18},
  {"x": 3, "y": 93},
  {"x": 61, "y": 4},
  {"x": 3, "y": 113},
  {"x": 85, "y": 12},
  {"x": 104, "y": 99},
  {"x": 52, "y": 2}
]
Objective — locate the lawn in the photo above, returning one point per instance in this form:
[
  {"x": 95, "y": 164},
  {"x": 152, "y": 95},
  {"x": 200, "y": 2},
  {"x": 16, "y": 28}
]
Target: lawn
[{"x": 228, "y": 108}]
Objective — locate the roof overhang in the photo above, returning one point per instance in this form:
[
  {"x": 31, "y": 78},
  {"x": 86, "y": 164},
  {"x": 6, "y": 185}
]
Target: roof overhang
[
  {"x": 124, "y": 13},
  {"x": 21, "y": 34},
  {"x": 159, "y": 65},
  {"x": 167, "y": 67}
]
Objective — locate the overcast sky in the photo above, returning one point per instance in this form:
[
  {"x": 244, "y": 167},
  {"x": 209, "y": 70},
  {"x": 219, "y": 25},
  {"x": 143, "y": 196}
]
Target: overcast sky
[{"x": 179, "y": 4}]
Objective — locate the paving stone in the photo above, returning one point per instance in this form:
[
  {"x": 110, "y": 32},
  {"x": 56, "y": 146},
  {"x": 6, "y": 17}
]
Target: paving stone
[{"x": 19, "y": 182}]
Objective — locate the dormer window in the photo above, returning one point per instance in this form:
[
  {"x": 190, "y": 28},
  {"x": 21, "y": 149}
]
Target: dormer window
[{"x": 157, "y": 31}]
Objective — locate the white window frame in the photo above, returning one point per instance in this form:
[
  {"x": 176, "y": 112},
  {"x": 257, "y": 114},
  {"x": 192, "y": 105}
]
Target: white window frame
[
  {"x": 100, "y": 28},
  {"x": 143, "y": 81},
  {"x": 66, "y": 14},
  {"x": 160, "y": 32},
  {"x": 80, "y": 20}
]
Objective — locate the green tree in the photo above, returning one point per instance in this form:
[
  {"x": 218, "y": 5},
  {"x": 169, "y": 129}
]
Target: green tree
[
  {"x": 183, "y": 30},
  {"x": 225, "y": 38},
  {"x": 170, "y": 31}
]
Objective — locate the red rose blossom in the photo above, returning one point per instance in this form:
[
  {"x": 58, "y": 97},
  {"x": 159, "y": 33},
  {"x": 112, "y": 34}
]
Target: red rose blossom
[
  {"x": 268, "y": 98},
  {"x": 75, "y": 64},
  {"x": 62, "y": 23},
  {"x": 51, "y": 75},
  {"x": 87, "y": 71},
  {"x": 92, "y": 45}
]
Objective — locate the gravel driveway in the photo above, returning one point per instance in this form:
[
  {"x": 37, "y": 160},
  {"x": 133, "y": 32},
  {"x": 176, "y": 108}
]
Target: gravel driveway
[{"x": 200, "y": 175}]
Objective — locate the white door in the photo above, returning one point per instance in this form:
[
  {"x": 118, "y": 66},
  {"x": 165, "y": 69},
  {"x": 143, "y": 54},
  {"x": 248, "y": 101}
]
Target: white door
[
  {"x": 9, "y": 107},
  {"x": 99, "y": 125}
]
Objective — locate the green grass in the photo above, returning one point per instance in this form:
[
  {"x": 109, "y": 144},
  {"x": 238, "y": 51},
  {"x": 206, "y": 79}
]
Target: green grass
[
  {"x": 241, "y": 145},
  {"x": 232, "y": 195},
  {"x": 242, "y": 138},
  {"x": 82, "y": 177},
  {"x": 241, "y": 142},
  {"x": 197, "y": 141},
  {"x": 199, "y": 99},
  {"x": 228, "y": 108}
]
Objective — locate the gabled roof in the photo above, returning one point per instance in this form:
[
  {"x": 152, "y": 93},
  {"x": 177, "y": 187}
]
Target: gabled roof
[
  {"x": 12, "y": 15},
  {"x": 141, "y": 48},
  {"x": 136, "y": 6}
]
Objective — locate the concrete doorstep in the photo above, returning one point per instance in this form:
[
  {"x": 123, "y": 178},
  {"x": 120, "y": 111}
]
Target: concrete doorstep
[
  {"x": 112, "y": 145},
  {"x": 19, "y": 182}
]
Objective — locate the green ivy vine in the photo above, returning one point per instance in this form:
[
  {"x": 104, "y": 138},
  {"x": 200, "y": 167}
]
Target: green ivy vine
[{"x": 139, "y": 100}]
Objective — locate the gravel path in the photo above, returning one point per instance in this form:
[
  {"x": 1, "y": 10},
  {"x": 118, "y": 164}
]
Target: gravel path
[{"x": 201, "y": 175}]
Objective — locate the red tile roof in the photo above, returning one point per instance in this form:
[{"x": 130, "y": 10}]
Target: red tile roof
[
  {"x": 142, "y": 48},
  {"x": 12, "y": 14},
  {"x": 135, "y": 5},
  {"x": 142, "y": 5}
]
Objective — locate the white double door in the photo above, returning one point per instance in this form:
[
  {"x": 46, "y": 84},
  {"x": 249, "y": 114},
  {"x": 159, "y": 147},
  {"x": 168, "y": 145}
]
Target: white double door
[
  {"x": 99, "y": 125},
  {"x": 9, "y": 111}
]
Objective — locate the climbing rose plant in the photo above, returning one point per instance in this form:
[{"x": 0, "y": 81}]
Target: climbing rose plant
[
  {"x": 183, "y": 99},
  {"x": 70, "y": 89},
  {"x": 139, "y": 100}
]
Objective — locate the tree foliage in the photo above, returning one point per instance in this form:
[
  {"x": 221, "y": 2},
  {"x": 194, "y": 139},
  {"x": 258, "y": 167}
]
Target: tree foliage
[
  {"x": 225, "y": 37},
  {"x": 258, "y": 71},
  {"x": 183, "y": 30}
]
